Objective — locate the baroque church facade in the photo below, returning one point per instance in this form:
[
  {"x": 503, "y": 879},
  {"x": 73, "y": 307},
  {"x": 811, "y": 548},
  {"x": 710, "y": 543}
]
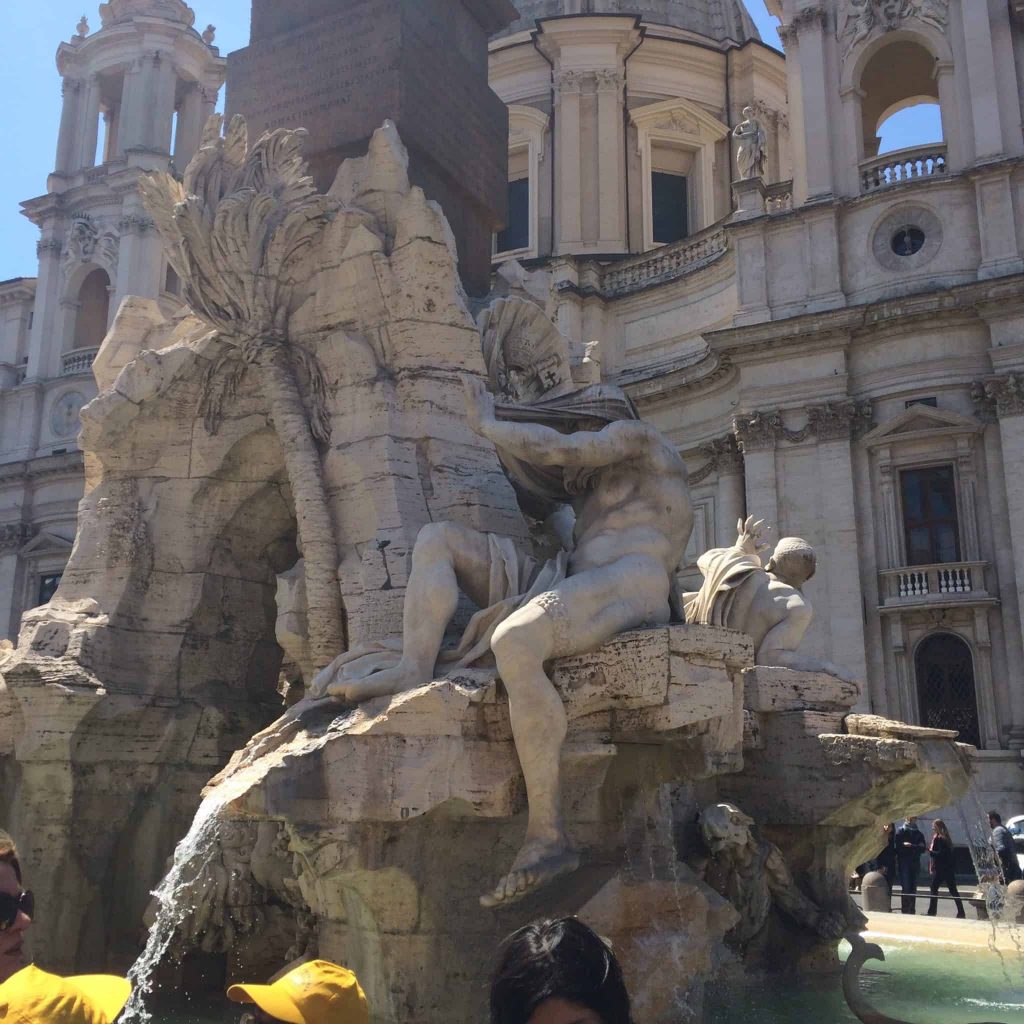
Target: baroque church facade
[{"x": 835, "y": 344}]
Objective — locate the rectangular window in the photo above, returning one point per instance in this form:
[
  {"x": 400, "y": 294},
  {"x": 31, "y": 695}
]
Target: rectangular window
[
  {"x": 48, "y": 587},
  {"x": 669, "y": 202},
  {"x": 517, "y": 234},
  {"x": 929, "y": 515},
  {"x": 932, "y": 403}
]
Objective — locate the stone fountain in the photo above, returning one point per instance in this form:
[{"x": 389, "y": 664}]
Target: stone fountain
[{"x": 290, "y": 458}]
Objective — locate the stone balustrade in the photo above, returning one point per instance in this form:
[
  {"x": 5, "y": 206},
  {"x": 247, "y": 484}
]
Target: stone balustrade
[
  {"x": 77, "y": 361},
  {"x": 934, "y": 583},
  {"x": 664, "y": 264},
  {"x": 903, "y": 165}
]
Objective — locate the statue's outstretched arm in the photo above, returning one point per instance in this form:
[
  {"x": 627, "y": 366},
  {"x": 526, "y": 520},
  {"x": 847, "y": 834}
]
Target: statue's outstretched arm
[{"x": 543, "y": 446}]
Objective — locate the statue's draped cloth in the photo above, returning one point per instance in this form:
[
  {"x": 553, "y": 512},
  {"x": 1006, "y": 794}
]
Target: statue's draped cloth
[
  {"x": 516, "y": 579},
  {"x": 724, "y": 570}
]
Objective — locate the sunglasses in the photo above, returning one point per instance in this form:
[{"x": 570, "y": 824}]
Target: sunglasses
[{"x": 11, "y": 906}]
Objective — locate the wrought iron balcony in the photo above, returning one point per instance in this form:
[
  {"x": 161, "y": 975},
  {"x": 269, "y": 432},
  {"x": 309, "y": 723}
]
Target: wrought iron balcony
[
  {"x": 77, "y": 361},
  {"x": 948, "y": 583},
  {"x": 902, "y": 165}
]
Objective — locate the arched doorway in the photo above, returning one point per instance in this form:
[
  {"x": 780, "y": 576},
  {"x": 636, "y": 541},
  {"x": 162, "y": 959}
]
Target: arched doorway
[{"x": 945, "y": 686}]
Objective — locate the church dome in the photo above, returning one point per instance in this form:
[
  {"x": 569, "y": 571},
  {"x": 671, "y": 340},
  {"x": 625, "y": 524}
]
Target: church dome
[{"x": 715, "y": 19}]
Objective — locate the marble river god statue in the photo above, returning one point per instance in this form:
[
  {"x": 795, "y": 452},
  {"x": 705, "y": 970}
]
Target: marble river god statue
[
  {"x": 765, "y": 601},
  {"x": 633, "y": 517}
]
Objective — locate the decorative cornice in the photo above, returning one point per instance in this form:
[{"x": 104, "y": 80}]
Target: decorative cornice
[
  {"x": 49, "y": 247},
  {"x": 999, "y": 396},
  {"x": 16, "y": 535},
  {"x": 724, "y": 457},
  {"x": 843, "y": 420},
  {"x": 135, "y": 224},
  {"x": 760, "y": 431}
]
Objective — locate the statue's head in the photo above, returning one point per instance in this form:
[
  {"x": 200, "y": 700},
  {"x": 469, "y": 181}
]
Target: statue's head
[
  {"x": 748, "y": 113},
  {"x": 793, "y": 561},
  {"x": 725, "y": 827}
]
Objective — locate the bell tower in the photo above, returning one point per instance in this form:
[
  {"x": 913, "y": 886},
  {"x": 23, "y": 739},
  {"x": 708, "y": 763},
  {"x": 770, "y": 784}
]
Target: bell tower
[{"x": 136, "y": 94}]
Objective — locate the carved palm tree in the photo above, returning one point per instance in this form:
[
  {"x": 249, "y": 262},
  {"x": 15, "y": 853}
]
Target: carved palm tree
[{"x": 238, "y": 230}]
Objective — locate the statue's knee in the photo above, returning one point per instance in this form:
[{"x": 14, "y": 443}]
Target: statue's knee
[
  {"x": 433, "y": 541},
  {"x": 512, "y": 647}
]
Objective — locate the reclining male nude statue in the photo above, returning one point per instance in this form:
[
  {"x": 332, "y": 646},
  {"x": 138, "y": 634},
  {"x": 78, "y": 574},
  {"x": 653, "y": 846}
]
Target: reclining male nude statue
[
  {"x": 627, "y": 486},
  {"x": 765, "y": 601}
]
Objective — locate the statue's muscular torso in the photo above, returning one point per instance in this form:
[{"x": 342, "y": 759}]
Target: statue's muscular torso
[{"x": 640, "y": 506}]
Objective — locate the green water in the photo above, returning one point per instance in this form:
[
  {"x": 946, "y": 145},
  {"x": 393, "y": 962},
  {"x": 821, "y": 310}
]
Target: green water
[{"x": 923, "y": 983}]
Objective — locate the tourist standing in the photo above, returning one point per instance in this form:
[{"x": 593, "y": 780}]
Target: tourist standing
[
  {"x": 910, "y": 847},
  {"x": 886, "y": 860},
  {"x": 558, "y": 972},
  {"x": 941, "y": 867},
  {"x": 16, "y": 909},
  {"x": 1002, "y": 843}
]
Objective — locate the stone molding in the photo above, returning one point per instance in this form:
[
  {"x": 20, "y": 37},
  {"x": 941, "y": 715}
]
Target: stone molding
[
  {"x": 610, "y": 80},
  {"x": 49, "y": 247},
  {"x": 134, "y": 224},
  {"x": 16, "y": 535},
  {"x": 87, "y": 243},
  {"x": 999, "y": 396},
  {"x": 570, "y": 83},
  {"x": 724, "y": 457},
  {"x": 810, "y": 17},
  {"x": 858, "y": 20},
  {"x": 844, "y": 420}
]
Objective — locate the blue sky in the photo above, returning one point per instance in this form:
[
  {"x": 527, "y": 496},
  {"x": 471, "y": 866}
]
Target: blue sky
[{"x": 30, "y": 116}]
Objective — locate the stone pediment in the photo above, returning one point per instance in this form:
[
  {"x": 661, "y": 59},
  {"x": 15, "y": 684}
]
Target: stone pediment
[
  {"x": 46, "y": 544},
  {"x": 920, "y": 421}
]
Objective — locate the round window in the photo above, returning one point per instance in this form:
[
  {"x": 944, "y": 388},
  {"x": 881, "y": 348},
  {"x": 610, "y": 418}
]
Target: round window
[{"x": 908, "y": 241}]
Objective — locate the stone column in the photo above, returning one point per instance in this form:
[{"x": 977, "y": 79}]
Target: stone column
[
  {"x": 835, "y": 425},
  {"x": 133, "y": 105},
  {"x": 611, "y": 160},
  {"x": 190, "y": 126},
  {"x": 165, "y": 84},
  {"x": 979, "y": 64},
  {"x": 90, "y": 125},
  {"x": 71, "y": 90},
  {"x": 141, "y": 258},
  {"x": 730, "y": 504},
  {"x": 44, "y": 337},
  {"x": 758, "y": 435},
  {"x": 1005, "y": 396},
  {"x": 808, "y": 31},
  {"x": 568, "y": 202}
]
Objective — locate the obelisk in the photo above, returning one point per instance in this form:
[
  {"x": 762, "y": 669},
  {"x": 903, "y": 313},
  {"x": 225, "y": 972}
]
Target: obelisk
[{"x": 340, "y": 68}]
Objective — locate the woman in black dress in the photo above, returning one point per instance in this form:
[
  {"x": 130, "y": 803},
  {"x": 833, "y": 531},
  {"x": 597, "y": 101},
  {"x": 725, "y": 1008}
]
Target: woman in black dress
[
  {"x": 940, "y": 854},
  {"x": 886, "y": 860}
]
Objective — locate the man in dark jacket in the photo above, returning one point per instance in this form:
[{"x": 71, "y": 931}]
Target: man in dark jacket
[
  {"x": 1002, "y": 843},
  {"x": 910, "y": 846}
]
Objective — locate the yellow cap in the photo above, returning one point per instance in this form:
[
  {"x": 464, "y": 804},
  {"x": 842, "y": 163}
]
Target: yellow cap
[
  {"x": 318, "y": 992},
  {"x": 34, "y": 997}
]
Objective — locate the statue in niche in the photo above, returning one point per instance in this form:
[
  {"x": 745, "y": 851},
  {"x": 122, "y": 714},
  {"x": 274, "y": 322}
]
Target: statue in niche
[
  {"x": 563, "y": 446},
  {"x": 753, "y": 876},
  {"x": 765, "y": 601},
  {"x": 751, "y": 151}
]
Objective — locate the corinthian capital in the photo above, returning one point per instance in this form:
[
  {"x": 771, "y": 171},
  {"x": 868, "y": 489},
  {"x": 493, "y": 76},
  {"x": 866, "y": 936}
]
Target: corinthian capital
[
  {"x": 569, "y": 82},
  {"x": 836, "y": 421},
  {"x": 759, "y": 431},
  {"x": 1000, "y": 396}
]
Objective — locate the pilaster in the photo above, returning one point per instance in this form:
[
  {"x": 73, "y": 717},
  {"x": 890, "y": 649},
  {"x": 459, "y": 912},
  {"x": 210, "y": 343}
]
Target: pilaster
[
  {"x": 71, "y": 90},
  {"x": 758, "y": 435},
  {"x": 88, "y": 129},
  {"x": 611, "y": 161},
  {"x": 807, "y": 36},
  {"x": 979, "y": 63},
  {"x": 569, "y": 204},
  {"x": 1004, "y": 397}
]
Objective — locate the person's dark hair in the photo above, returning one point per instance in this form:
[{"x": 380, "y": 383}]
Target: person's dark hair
[
  {"x": 9, "y": 854},
  {"x": 997, "y": 817},
  {"x": 560, "y": 959}
]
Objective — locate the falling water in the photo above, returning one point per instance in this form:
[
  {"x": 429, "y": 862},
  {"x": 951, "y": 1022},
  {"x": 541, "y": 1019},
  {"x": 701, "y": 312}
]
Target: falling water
[{"x": 176, "y": 897}]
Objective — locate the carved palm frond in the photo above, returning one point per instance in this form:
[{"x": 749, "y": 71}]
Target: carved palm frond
[{"x": 237, "y": 226}]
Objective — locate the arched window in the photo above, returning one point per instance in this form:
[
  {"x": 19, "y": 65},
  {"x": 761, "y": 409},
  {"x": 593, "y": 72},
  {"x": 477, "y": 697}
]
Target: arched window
[
  {"x": 900, "y": 95},
  {"x": 945, "y": 686},
  {"x": 93, "y": 310}
]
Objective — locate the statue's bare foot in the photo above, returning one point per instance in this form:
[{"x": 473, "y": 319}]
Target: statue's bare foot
[
  {"x": 538, "y": 864},
  {"x": 387, "y": 681}
]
